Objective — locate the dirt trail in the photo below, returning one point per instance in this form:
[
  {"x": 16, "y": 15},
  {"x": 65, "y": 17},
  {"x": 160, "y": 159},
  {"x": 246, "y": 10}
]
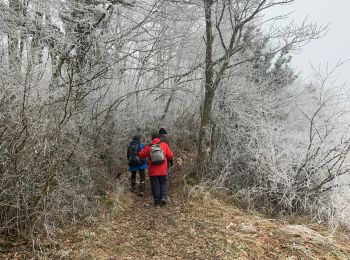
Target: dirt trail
[
  {"x": 206, "y": 227},
  {"x": 203, "y": 228}
]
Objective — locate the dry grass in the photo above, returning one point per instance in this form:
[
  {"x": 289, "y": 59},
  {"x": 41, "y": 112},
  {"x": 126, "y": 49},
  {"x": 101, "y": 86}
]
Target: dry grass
[{"x": 205, "y": 227}]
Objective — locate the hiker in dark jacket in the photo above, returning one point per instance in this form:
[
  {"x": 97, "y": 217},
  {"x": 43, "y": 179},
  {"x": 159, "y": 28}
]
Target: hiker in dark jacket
[
  {"x": 158, "y": 172},
  {"x": 136, "y": 164},
  {"x": 163, "y": 135}
]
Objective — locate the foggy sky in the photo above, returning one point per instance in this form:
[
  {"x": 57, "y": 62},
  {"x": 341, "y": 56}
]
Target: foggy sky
[{"x": 331, "y": 48}]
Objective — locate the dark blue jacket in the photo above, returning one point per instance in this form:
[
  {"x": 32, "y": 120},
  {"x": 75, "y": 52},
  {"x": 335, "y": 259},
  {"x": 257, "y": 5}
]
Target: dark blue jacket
[{"x": 143, "y": 165}]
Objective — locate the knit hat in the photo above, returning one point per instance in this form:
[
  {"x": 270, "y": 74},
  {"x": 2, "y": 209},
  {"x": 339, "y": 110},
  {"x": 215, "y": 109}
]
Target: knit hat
[
  {"x": 136, "y": 138},
  {"x": 162, "y": 131},
  {"x": 155, "y": 135}
]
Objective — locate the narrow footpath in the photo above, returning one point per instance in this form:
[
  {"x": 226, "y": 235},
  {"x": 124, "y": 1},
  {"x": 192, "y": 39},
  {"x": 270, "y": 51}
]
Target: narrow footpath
[{"x": 206, "y": 226}]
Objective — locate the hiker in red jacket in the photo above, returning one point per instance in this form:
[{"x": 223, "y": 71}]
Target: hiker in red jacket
[{"x": 158, "y": 154}]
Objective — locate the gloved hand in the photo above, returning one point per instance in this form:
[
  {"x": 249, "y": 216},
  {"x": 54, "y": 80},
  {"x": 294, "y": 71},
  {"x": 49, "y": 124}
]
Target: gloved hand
[{"x": 170, "y": 162}]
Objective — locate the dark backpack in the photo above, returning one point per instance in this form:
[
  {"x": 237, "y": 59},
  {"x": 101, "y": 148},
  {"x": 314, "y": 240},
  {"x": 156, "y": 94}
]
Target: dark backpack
[
  {"x": 156, "y": 154},
  {"x": 134, "y": 149}
]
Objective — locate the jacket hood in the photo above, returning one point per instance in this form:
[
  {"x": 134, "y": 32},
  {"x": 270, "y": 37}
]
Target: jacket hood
[
  {"x": 155, "y": 140},
  {"x": 135, "y": 142}
]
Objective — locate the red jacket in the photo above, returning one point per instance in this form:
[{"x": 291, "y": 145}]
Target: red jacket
[{"x": 160, "y": 169}]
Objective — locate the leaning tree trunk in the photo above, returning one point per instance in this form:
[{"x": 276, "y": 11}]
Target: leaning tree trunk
[{"x": 204, "y": 148}]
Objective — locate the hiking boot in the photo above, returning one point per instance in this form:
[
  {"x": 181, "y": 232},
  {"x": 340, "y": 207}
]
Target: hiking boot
[
  {"x": 157, "y": 206},
  {"x": 141, "y": 194},
  {"x": 163, "y": 202},
  {"x": 142, "y": 186}
]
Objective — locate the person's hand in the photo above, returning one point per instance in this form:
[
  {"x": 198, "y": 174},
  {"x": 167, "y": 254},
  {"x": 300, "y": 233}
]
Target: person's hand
[{"x": 171, "y": 163}]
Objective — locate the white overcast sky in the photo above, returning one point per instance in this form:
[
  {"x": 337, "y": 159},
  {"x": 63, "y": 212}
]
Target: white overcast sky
[{"x": 332, "y": 47}]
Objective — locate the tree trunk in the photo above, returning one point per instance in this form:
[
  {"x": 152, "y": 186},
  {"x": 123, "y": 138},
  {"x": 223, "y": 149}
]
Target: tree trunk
[{"x": 204, "y": 148}]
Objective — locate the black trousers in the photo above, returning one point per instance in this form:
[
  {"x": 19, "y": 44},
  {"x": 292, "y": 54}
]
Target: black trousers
[
  {"x": 159, "y": 188},
  {"x": 142, "y": 180}
]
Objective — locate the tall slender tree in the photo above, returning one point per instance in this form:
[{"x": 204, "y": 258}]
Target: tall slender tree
[{"x": 226, "y": 21}]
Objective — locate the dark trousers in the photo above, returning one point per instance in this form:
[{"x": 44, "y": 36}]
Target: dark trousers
[
  {"x": 142, "y": 180},
  {"x": 159, "y": 188}
]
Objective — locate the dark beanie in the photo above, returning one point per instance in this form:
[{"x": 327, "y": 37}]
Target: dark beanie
[
  {"x": 162, "y": 131},
  {"x": 155, "y": 135},
  {"x": 136, "y": 138}
]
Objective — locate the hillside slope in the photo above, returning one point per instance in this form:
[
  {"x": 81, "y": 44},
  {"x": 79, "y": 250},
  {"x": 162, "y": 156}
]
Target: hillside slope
[
  {"x": 206, "y": 227},
  {"x": 203, "y": 228}
]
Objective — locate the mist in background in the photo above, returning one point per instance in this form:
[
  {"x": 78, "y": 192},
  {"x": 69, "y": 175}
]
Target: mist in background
[{"x": 331, "y": 48}]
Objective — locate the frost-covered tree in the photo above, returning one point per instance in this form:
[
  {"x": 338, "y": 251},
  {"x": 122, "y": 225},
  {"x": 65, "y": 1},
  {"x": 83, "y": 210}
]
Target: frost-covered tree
[{"x": 228, "y": 22}]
